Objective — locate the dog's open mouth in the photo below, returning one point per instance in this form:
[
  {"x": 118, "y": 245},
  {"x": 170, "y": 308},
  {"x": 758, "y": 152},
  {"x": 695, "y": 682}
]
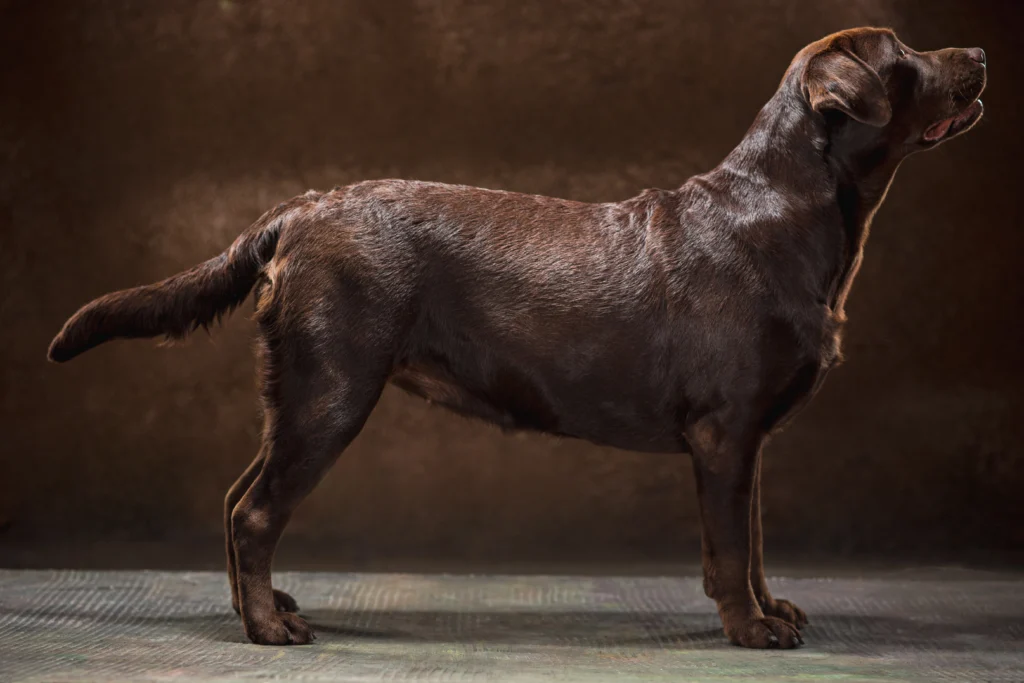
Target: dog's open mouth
[{"x": 947, "y": 128}]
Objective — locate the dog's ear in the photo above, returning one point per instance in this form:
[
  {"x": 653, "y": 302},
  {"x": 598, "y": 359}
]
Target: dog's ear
[{"x": 835, "y": 78}]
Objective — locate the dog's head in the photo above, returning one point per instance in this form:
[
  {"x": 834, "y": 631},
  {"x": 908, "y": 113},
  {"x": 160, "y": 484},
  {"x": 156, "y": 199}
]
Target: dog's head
[{"x": 906, "y": 100}]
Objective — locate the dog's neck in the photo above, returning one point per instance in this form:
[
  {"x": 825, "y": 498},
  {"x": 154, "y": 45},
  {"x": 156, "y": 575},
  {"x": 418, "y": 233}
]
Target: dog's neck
[
  {"x": 822, "y": 178},
  {"x": 863, "y": 171}
]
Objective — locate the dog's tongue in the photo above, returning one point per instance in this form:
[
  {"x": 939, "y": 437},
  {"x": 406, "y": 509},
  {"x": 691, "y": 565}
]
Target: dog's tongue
[{"x": 938, "y": 130}]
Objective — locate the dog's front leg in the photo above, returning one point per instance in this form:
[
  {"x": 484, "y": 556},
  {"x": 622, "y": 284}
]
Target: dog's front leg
[
  {"x": 725, "y": 462},
  {"x": 772, "y": 607}
]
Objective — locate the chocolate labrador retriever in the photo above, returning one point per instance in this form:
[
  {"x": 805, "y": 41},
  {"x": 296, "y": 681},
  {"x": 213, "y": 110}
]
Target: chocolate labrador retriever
[{"x": 695, "y": 320}]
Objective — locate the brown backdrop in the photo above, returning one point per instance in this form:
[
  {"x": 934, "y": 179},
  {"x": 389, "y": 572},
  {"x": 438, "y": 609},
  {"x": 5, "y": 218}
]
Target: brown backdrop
[{"x": 139, "y": 138}]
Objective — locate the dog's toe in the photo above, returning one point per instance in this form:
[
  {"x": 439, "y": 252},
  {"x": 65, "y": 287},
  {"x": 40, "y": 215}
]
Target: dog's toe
[
  {"x": 280, "y": 628},
  {"x": 787, "y": 611},
  {"x": 764, "y": 633},
  {"x": 284, "y": 602}
]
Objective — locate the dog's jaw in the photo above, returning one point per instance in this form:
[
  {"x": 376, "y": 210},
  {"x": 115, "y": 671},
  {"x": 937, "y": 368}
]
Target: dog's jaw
[{"x": 955, "y": 125}]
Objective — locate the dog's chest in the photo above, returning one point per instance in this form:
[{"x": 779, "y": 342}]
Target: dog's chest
[{"x": 831, "y": 352}]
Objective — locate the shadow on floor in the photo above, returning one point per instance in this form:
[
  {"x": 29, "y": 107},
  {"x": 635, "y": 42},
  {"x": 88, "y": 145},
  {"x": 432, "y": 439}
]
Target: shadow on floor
[{"x": 837, "y": 633}]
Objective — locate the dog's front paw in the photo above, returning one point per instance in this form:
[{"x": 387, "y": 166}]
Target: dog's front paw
[
  {"x": 785, "y": 610},
  {"x": 282, "y": 603},
  {"x": 279, "y": 628},
  {"x": 767, "y": 632}
]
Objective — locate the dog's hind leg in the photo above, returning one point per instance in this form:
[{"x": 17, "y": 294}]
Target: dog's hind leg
[
  {"x": 283, "y": 601},
  {"x": 319, "y": 390},
  {"x": 234, "y": 495},
  {"x": 772, "y": 607}
]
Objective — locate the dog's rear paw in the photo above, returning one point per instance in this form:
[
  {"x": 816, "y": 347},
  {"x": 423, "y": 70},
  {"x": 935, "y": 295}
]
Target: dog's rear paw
[
  {"x": 785, "y": 610},
  {"x": 284, "y": 602},
  {"x": 764, "y": 633},
  {"x": 280, "y": 628}
]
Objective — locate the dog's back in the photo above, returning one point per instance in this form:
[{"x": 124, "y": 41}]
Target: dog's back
[{"x": 526, "y": 311}]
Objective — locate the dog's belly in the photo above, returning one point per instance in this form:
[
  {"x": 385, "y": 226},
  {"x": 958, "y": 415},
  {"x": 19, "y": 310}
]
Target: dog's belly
[{"x": 516, "y": 400}]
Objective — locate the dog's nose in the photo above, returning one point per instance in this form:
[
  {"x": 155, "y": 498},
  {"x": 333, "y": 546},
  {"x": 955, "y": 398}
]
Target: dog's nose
[{"x": 978, "y": 55}]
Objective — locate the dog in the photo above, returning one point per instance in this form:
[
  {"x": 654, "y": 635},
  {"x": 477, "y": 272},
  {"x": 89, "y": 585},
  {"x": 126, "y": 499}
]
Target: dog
[{"x": 697, "y": 320}]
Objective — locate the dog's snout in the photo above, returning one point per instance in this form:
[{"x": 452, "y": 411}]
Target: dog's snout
[{"x": 978, "y": 55}]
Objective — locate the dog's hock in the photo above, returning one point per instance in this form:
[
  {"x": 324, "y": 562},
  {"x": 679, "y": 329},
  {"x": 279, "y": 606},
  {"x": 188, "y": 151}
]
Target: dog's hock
[{"x": 839, "y": 80}]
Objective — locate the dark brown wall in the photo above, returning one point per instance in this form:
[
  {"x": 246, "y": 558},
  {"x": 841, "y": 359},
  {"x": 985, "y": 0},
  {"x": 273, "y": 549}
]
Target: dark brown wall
[{"x": 139, "y": 138}]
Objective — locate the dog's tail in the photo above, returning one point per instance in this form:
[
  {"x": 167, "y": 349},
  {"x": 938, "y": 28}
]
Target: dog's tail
[{"x": 180, "y": 304}]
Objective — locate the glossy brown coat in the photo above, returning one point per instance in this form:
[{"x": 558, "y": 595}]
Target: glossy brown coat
[{"x": 694, "y": 320}]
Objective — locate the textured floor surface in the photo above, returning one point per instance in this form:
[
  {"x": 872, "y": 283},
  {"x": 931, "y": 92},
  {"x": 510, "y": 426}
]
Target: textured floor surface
[{"x": 121, "y": 625}]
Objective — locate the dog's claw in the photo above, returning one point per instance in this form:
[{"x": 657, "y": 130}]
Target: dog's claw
[
  {"x": 763, "y": 633},
  {"x": 280, "y": 628},
  {"x": 785, "y": 610}
]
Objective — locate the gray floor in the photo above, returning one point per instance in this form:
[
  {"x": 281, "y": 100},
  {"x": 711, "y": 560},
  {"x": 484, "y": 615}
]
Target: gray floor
[{"x": 137, "y": 625}]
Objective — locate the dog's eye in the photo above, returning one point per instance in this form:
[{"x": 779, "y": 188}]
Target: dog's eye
[{"x": 901, "y": 53}]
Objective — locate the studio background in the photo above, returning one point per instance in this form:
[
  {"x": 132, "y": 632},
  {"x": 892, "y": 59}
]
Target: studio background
[{"x": 139, "y": 138}]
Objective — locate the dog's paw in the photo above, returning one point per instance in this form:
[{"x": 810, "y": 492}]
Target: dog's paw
[
  {"x": 767, "y": 632},
  {"x": 785, "y": 610},
  {"x": 284, "y": 602},
  {"x": 280, "y": 628}
]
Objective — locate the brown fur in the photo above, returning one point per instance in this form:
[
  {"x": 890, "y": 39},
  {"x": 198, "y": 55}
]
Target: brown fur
[{"x": 695, "y": 320}]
